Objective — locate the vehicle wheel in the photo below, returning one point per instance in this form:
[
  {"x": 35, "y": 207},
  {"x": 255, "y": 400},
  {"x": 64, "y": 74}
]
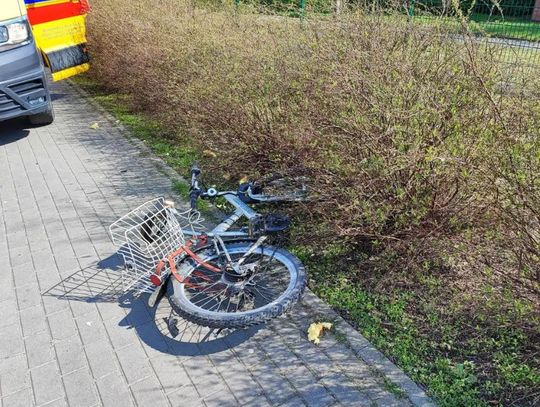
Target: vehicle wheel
[
  {"x": 42, "y": 119},
  {"x": 273, "y": 281}
]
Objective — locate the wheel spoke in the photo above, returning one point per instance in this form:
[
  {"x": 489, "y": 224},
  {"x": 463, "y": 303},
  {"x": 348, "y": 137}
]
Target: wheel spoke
[
  {"x": 219, "y": 304},
  {"x": 237, "y": 306},
  {"x": 265, "y": 289},
  {"x": 208, "y": 287},
  {"x": 270, "y": 273},
  {"x": 228, "y": 305},
  {"x": 261, "y": 294},
  {"x": 209, "y": 299}
]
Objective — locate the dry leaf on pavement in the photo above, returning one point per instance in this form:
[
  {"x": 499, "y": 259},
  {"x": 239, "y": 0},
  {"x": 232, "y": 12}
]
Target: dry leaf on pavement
[{"x": 316, "y": 329}]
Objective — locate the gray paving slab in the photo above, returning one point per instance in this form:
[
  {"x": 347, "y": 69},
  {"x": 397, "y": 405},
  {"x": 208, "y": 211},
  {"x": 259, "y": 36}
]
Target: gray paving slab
[{"x": 70, "y": 336}]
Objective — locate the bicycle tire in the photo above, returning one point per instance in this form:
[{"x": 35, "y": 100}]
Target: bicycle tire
[{"x": 182, "y": 305}]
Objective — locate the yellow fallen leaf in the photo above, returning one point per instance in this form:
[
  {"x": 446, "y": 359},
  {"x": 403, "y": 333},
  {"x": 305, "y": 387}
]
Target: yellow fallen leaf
[
  {"x": 243, "y": 180},
  {"x": 316, "y": 329},
  {"x": 94, "y": 126},
  {"x": 209, "y": 153}
]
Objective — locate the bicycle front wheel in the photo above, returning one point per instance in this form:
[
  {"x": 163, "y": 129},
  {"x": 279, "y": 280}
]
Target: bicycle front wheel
[{"x": 272, "y": 281}]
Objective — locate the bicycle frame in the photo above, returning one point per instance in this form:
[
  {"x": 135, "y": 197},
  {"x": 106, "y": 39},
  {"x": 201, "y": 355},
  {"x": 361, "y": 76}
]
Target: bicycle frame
[
  {"x": 217, "y": 233},
  {"x": 222, "y": 230}
]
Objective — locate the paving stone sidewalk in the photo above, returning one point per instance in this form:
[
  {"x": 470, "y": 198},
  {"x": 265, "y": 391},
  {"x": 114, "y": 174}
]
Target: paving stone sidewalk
[{"x": 70, "y": 336}]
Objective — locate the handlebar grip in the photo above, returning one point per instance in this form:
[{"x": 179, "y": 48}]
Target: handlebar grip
[{"x": 195, "y": 170}]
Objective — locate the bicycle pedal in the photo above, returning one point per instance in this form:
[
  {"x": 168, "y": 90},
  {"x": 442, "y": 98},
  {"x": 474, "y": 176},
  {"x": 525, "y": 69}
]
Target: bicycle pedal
[
  {"x": 172, "y": 323},
  {"x": 216, "y": 334}
]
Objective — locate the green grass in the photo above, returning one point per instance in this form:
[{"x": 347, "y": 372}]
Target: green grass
[{"x": 385, "y": 323}]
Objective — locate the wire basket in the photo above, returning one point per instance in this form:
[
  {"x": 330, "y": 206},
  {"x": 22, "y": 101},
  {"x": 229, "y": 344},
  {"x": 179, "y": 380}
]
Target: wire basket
[{"x": 146, "y": 235}]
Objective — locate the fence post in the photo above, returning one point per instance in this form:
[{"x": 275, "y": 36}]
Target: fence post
[
  {"x": 302, "y": 8},
  {"x": 410, "y": 10},
  {"x": 536, "y": 11},
  {"x": 338, "y": 6}
]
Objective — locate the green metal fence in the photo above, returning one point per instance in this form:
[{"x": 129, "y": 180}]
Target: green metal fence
[
  {"x": 512, "y": 19},
  {"x": 511, "y": 27}
]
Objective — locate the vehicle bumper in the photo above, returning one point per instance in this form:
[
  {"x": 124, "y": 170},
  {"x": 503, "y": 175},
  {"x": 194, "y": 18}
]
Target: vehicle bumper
[{"x": 23, "y": 87}]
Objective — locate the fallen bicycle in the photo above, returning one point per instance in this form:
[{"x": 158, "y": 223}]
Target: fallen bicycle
[{"x": 222, "y": 278}]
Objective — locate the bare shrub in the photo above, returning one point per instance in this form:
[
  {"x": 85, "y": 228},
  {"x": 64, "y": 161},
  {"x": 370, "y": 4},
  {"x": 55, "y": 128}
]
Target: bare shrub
[{"x": 402, "y": 131}]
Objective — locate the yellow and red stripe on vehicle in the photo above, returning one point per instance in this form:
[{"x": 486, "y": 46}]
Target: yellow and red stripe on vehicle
[{"x": 60, "y": 32}]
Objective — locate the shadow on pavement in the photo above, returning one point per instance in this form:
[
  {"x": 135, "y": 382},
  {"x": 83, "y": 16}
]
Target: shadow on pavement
[
  {"x": 13, "y": 130},
  {"x": 57, "y": 96},
  {"x": 159, "y": 327}
]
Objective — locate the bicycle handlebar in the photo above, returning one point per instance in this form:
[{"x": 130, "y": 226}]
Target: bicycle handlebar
[
  {"x": 245, "y": 192},
  {"x": 196, "y": 191}
]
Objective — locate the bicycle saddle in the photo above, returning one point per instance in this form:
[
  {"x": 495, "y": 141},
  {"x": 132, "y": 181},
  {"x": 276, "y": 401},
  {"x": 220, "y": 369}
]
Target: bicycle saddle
[{"x": 269, "y": 223}]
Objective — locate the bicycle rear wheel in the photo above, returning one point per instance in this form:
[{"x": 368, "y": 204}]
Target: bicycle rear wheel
[{"x": 272, "y": 282}]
